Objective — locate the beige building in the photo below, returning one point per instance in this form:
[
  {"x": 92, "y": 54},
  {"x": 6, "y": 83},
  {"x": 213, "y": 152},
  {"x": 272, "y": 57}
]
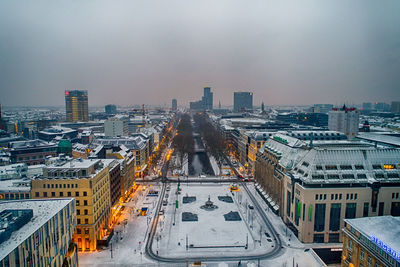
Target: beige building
[
  {"x": 371, "y": 242},
  {"x": 313, "y": 188},
  {"x": 88, "y": 182},
  {"x": 38, "y": 233}
]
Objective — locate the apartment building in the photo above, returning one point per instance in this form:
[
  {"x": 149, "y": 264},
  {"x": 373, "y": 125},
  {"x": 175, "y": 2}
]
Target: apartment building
[{"x": 87, "y": 181}]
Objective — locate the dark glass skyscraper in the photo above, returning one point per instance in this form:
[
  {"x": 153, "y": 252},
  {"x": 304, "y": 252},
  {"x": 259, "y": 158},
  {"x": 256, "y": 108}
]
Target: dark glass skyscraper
[
  {"x": 111, "y": 109},
  {"x": 76, "y": 105},
  {"x": 207, "y": 99},
  {"x": 174, "y": 104},
  {"x": 242, "y": 101}
]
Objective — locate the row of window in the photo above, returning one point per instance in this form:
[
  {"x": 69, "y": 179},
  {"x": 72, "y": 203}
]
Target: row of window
[
  {"x": 85, "y": 203},
  {"x": 79, "y": 221},
  {"x": 85, "y": 212},
  {"x": 12, "y": 196},
  {"x": 30, "y": 158},
  {"x": 85, "y": 231},
  {"x": 60, "y": 185},
  {"x": 356, "y": 167},
  {"x": 68, "y": 173},
  {"x": 350, "y": 196},
  {"x": 350, "y": 176},
  {"x": 362, "y": 255},
  {"x": 61, "y": 194}
]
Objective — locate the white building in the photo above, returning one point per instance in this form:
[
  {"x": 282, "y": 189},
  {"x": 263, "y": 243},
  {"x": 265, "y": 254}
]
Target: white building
[
  {"x": 345, "y": 120},
  {"x": 116, "y": 126}
]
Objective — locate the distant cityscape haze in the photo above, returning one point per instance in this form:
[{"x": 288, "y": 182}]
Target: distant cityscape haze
[{"x": 132, "y": 52}]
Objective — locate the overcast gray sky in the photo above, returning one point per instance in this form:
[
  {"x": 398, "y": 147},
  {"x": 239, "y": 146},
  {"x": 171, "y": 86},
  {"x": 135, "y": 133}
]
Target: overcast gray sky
[{"x": 132, "y": 52}]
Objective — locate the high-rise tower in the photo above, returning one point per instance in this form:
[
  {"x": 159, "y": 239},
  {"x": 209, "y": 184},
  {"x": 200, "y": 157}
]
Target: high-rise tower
[
  {"x": 1, "y": 121},
  {"x": 207, "y": 99},
  {"x": 76, "y": 105},
  {"x": 242, "y": 101},
  {"x": 174, "y": 104},
  {"x": 345, "y": 120}
]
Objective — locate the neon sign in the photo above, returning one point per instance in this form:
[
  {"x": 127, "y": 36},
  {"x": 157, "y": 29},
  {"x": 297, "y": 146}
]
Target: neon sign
[{"x": 386, "y": 248}]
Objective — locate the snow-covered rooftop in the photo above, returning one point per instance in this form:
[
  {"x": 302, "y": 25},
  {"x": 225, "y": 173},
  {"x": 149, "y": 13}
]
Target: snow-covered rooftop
[
  {"x": 380, "y": 138},
  {"x": 43, "y": 211},
  {"x": 385, "y": 228},
  {"x": 335, "y": 161},
  {"x": 75, "y": 164},
  {"x": 15, "y": 185}
]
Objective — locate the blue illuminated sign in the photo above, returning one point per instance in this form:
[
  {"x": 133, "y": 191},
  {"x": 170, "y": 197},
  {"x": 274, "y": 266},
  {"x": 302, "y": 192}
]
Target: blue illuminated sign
[{"x": 386, "y": 248}]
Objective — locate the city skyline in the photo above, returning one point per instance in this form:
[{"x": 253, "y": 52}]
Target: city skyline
[
  {"x": 130, "y": 52},
  {"x": 199, "y": 133}
]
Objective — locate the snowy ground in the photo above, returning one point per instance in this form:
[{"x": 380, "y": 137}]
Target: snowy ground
[
  {"x": 129, "y": 251},
  {"x": 211, "y": 229}
]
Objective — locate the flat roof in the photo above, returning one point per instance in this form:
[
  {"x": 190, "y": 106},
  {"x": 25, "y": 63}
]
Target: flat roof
[
  {"x": 13, "y": 187},
  {"x": 380, "y": 138},
  {"x": 385, "y": 228},
  {"x": 43, "y": 210},
  {"x": 74, "y": 164}
]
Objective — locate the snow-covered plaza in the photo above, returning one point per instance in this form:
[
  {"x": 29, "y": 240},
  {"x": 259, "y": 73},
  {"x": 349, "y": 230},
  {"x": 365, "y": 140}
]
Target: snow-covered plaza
[
  {"x": 211, "y": 234},
  {"x": 211, "y": 239}
]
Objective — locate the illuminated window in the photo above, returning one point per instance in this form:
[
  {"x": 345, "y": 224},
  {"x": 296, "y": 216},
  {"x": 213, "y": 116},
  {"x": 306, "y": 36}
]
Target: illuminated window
[{"x": 389, "y": 166}]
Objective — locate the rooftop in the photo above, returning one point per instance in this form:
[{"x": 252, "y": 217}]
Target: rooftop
[
  {"x": 336, "y": 161},
  {"x": 57, "y": 130},
  {"x": 43, "y": 211},
  {"x": 73, "y": 164},
  {"x": 15, "y": 185},
  {"x": 30, "y": 144},
  {"x": 384, "y": 228},
  {"x": 380, "y": 138},
  {"x": 132, "y": 143}
]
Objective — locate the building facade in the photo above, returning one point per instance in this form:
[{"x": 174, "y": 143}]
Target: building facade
[
  {"x": 207, "y": 99},
  {"x": 371, "y": 242},
  {"x": 76, "y": 105},
  {"x": 174, "y": 105},
  {"x": 313, "y": 188},
  {"x": 242, "y": 101},
  {"x": 87, "y": 181},
  {"x": 345, "y": 120},
  {"x": 31, "y": 152},
  {"x": 38, "y": 233},
  {"x": 116, "y": 126},
  {"x": 111, "y": 109}
]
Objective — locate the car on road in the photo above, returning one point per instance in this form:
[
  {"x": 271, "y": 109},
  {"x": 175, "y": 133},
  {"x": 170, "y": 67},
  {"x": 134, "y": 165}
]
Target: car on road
[{"x": 165, "y": 203}]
